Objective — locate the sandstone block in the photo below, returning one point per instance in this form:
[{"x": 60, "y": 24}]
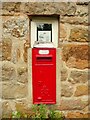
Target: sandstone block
[
  {"x": 23, "y": 106},
  {"x": 81, "y": 90},
  {"x": 77, "y": 115},
  {"x": 71, "y": 8},
  {"x": 25, "y": 54},
  {"x": 71, "y": 54},
  {"x": 12, "y": 91},
  {"x": 16, "y": 26},
  {"x": 0, "y": 51},
  {"x": 8, "y": 71},
  {"x": 79, "y": 34},
  {"x": 7, "y": 109},
  {"x": 63, "y": 31},
  {"x": 66, "y": 90},
  {"x": 82, "y": 10},
  {"x": 44, "y": 8},
  {"x": 78, "y": 77},
  {"x": 75, "y": 20},
  {"x": 64, "y": 74},
  {"x": 11, "y": 6},
  {"x": 72, "y": 104},
  {"x": 22, "y": 74},
  {"x": 6, "y": 49}
]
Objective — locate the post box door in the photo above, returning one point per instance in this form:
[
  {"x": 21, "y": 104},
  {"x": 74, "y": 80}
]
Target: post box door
[{"x": 44, "y": 76}]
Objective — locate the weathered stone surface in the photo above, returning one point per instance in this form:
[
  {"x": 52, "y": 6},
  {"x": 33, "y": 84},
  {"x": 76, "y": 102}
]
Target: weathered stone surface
[
  {"x": 22, "y": 72},
  {"x": 66, "y": 90},
  {"x": 41, "y": 7},
  {"x": 71, "y": 54},
  {"x": 18, "y": 53},
  {"x": 44, "y": 8},
  {"x": 16, "y": 26},
  {"x": 81, "y": 90},
  {"x": 86, "y": 109},
  {"x": 71, "y": 8},
  {"x": 75, "y": 20},
  {"x": 85, "y": 2},
  {"x": 0, "y": 107},
  {"x": 0, "y": 51},
  {"x": 6, "y": 48},
  {"x": 8, "y": 71},
  {"x": 11, "y": 6},
  {"x": 25, "y": 54},
  {"x": 72, "y": 104},
  {"x": 82, "y": 10},
  {"x": 79, "y": 34},
  {"x": 6, "y": 109},
  {"x": 12, "y": 91},
  {"x": 23, "y": 106},
  {"x": 64, "y": 74},
  {"x": 77, "y": 115},
  {"x": 63, "y": 31},
  {"x": 78, "y": 77}
]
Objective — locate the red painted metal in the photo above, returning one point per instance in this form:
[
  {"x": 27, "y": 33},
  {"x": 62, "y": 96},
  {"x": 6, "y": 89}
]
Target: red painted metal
[{"x": 44, "y": 76}]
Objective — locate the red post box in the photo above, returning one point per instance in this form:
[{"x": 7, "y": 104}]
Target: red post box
[{"x": 44, "y": 75}]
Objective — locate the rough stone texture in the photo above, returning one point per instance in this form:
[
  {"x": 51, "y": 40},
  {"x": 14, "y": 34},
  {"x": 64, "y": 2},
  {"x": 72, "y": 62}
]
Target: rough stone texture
[
  {"x": 22, "y": 74},
  {"x": 15, "y": 26},
  {"x": 7, "y": 109},
  {"x": 9, "y": 7},
  {"x": 0, "y": 51},
  {"x": 14, "y": 90},
  {"x": 78, "y": 77},
  {"x": 82, "y": 11},
  {"x": 71, "y": 8},
  {"x": 25, "y": 54},
  {"x": 64, "y": 73},
  {"x": 81, "y": 90},
  {"x": 86, "y": 109},
  {"x": 17, "y": 52},
  {"x": 77, "y": 115},
  {"x": 6, "y": 48},
  {"x": 79, "y": 34},
  {"x": 15, "y": 105},
  {"x": 76, "y": 20},
  {"x": 23, "y": 106},
  {"x": 8, "y": 71},
  {"x": 72, "y": 104},
  {"x": 63, "y": 31},
  {"x": 66, "y": 90},
  {"x": 44, "y": 8},
  {"x": 73, "y": 57},
  {"x": 60, "y": 8}
]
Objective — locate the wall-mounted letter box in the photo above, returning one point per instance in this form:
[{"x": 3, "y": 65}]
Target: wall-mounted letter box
[{"x": 44, "y": 75}]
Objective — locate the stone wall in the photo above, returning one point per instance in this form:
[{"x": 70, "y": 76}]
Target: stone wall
[{"x": 74, "y": 45}]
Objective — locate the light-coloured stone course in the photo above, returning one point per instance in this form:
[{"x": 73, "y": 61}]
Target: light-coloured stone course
[
  {"x": 22, "y": 74},
  {"x": 6, "y": 48},
  {"x": 79, "y": 34},
  {"x": 78, "y": 77},
  {"x": 81, "y": 90},
  {"x": 12, "y": 90},
  {"x": 8, "y": 71},
  {"x": 73, "y": 104},
  {"x": 66, "y": 89},
  {"x": 73, "y": 57}
]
